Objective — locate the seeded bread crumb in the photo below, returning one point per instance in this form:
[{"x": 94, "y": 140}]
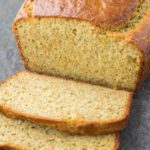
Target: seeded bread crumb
[
  {"x": 64, "y": 104},
  {"x": 56, "y": 44},
  {"x": 23, "y": 135}
]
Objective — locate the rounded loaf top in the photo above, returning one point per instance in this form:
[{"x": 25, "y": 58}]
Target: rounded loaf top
[{"x": 104, "y": 13}]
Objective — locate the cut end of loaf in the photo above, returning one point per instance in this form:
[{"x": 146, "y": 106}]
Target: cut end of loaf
[{"x": 77, "y": 50}]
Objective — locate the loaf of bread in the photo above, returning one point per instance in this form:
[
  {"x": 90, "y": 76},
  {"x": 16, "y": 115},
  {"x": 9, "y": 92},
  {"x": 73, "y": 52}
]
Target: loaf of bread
[
  {"x": 74, "y": 107},
  {"x": 23, "y": 135},
  {"x": 100, "y": 41}
]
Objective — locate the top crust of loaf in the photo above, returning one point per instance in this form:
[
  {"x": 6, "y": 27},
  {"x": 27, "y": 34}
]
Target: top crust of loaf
[{"x": 105, "y": 13}]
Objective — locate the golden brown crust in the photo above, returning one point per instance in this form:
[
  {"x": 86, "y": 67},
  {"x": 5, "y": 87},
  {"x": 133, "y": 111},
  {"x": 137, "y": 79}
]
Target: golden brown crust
[
  {"x": 140, "y": 37},
  {"x": 10, "y": 146},
  {"x": 106, "y": 13},
  {"x": 78, "y": 126},
  {"x": 117, "y": 142}
]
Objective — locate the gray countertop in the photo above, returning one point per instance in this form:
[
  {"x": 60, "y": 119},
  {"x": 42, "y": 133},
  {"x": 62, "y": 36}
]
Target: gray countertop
[{"x": 135, "y": 137}]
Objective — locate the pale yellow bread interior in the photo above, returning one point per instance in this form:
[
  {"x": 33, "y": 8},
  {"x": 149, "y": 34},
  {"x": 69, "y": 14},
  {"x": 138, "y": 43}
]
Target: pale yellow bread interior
[
  {"x": 77, "y": 49},
  {"x": 23, "y": 135},
  {"x": 56, "y": 100}
]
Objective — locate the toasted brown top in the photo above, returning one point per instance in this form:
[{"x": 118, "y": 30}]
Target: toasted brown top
[{"x": 98, "y": 12}]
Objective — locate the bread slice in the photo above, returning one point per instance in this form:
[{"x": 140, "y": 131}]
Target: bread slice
[
  {"x": 23, "y": 135},
  {"x": 105, "y": 42},
  {"x": 67, "y": 105}
]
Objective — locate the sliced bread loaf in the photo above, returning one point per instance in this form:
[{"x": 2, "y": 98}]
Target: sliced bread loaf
[
  {"x": 23, "y": 135},
  {"x": 67, "y": 105},
  {"x": 105, "y": 42}
]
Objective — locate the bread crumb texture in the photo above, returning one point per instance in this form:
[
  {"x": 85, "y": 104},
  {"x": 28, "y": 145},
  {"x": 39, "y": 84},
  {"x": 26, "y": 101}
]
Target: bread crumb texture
[
  {"x": 78, "y": 50},
  {"x": 63, "y": 99},
  {"x": 28, "y": 136}
]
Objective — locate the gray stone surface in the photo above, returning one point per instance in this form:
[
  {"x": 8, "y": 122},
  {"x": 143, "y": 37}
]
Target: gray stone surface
[
  {"x": 135, "y": 137},
  {"x": 9, "y": 58}
]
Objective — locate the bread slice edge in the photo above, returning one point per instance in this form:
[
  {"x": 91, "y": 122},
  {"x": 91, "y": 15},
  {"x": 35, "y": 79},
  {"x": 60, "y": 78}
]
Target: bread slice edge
[{"x": 76, "y": 126}]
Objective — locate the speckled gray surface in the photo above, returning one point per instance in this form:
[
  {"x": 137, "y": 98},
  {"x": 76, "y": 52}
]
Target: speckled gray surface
[{"x": 135, "y": 137}]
